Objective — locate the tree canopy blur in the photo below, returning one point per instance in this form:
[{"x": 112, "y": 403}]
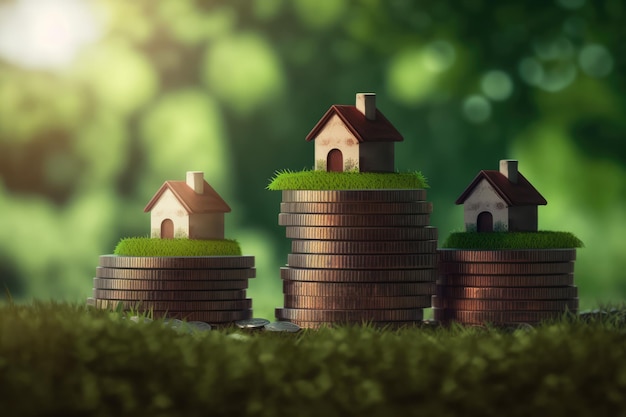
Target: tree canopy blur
[{"x": 103, "y": 100}]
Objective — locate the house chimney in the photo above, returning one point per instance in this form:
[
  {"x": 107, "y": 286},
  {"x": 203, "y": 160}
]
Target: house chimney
[
  {"x": 508, "y": 168},
  {"x": 366, "y": 104},
  {"x": 195, "y": 181}
]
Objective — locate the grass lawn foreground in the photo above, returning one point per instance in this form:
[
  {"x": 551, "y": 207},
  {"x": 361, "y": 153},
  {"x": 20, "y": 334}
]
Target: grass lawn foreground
[{"x": 63, "y": 359}]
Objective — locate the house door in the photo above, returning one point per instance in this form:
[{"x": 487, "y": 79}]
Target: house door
[
  {"x": 484, "y": 222},
  {"x": 334, "y": 161},
  {"x": 167, "y": 229}
]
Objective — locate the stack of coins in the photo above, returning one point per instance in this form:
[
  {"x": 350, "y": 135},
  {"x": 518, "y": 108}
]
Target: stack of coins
[
  {"x": 357, "y": 256},
  {"x": 211, "y": 289},
  {"x": 505, "y": 286}
]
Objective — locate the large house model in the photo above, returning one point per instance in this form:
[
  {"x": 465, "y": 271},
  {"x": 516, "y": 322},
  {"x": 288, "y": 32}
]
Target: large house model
[
  {"x": 355, "y": 138},
  {"x": 187, "y": 209},
  {"x": 501, "y": 201}
]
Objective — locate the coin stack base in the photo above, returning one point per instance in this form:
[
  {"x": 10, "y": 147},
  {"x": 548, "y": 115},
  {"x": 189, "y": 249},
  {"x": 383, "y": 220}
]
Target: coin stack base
[
  {"x": 211, "y": 289},
  {"x": 505, "y": 286},
  {"x": 358, "y": 256}
]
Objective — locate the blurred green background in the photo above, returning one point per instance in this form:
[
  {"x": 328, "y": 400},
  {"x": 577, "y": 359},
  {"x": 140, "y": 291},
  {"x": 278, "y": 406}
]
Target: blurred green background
[{"x": 102, "y": 101}]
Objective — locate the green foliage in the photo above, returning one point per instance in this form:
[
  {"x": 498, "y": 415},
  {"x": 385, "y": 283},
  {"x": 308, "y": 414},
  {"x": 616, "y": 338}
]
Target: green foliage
[
  {"x": 60, "y": 359},
  {"x": 512, "y": 240},
  {"x": 145, "y": 246},
  {"x": 322, "y": 180}
]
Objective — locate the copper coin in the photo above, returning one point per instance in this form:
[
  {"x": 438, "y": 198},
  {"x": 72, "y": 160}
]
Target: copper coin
[
  {"x": 506, "y": 268},
  {"x": 480, "y": 317},
  {"x": 513, "y": 255},
  {"x": 511, "y": 293},
  {"x": 169, "y": 295},
  {"x": 356, "y": 247},
  {"x": 177, "y": 262},
  {"x": 348, "y": 196},
  {"x": 348, "y": 315},
  {"x": 356, "y": 303},
  {"x": 362, "y": 233},
  {"x": 358, "y": 275},
  {"x": 213, "y": 317},
  {"x": 506, "y": 280},
  {"x": 504, "y": 305},
  {"x": 176, "y": 274},
  {"x": 369, "y": 289},
  {"x": 418, "y": 207},
  {"x": 282, "y": 326},
  {"x": 354, "y": 220},
  {"x": 176, "y": 305},
  {"x": 163, "y": 285},
  {"x": 398, "y": 261}
]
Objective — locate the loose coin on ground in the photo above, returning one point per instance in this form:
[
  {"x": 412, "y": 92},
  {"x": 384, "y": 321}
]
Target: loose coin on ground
[
  {"x": 211, "y": 317},
  {"x": 418, "y": 207},
  {"x": 369, "y": 289},
  {"x": 169, "y": 295},
  {"x": 356, "y": 275},
  {"x": 282, "y": 326},
  {"x": 356, "y": 303},
  {"x": 349, "y": 315},
  {"x": 505, "y": 305},
  {"x": 176, "y": 274},
  {"x": 176, "y": 305},
  {"x": 361, "y": 233},
  {"x": 392, "y": 325},
  {"x": 396, "y": 261},
  {"x": 177, "y": 262},
  {"x": 506, "y": 280},
  {"x": 511, "y": 293},
  {"x": 354, "y": 220},
  {"x": 359, "y": 248},
  {"x": 346, "y": 196},
  {"x": 163, "y": 285},
  {"x": 253, "y": 323},
  {"x": 499, "y": 268},
  {"x": 512, "y": 255},
  {"x": 479, "y": 317}
]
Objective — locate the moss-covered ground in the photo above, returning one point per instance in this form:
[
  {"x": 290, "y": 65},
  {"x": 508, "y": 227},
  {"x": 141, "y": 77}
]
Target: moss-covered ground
[
  {"x": 145, "y": 246},
  {"x": 322, "y": 180},
  {"x": 512, "y": 240},
  {"x": 68, "y": 360}
]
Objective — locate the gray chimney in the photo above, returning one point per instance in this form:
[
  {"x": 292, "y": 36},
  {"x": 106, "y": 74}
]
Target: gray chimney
[
  {"x": 508, "y": 168},
  {"x": 366, "y": 104},
  {"x": 195, "y": 181}
]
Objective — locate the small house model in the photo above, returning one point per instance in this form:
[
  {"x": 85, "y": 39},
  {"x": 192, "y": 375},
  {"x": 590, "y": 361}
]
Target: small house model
[
  {"x": 501, "y": 201},
  {"x": 355, "y": 138},
  {"x": 187, "y": 209}
]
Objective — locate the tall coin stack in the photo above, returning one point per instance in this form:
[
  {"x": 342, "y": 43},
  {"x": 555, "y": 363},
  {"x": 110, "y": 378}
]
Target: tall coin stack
[
  {"x": 357, "y": 256},
  {"x": 211, "y": 289},
  {"x": 505, "y": 286}
]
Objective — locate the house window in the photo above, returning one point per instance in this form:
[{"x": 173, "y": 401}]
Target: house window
[
  {"x": 334, "y": 161},
  {"x": 484, "y": 223},
  {"x": 167, "y": 229}
]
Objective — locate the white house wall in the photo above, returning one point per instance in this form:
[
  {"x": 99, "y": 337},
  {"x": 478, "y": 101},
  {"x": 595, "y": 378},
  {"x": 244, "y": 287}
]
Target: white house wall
[
  {"x": 335, "y": 135},
  {"x": 484, "y": 198},
  {"x": 168, "y": 207},
  {"x": 206, "y": 226}
]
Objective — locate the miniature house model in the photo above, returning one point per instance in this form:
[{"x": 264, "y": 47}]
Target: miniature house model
[
  {"x": 187, "y": 209},
  {"x": 501, "y": 201},
  {"x": 355, "y": 138}
]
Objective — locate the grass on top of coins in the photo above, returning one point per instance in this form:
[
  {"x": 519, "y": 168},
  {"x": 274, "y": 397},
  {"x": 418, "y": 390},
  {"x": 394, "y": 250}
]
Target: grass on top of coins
[
  {"x": 64, "y": 359},
  {"x": 512, "y": 240},
  {"x": 145, "y": 246},
  {"x": 322, "y": 180}
]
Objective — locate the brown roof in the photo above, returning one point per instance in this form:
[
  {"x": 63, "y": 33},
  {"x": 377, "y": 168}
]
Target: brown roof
[
  {"x": 365, "y": 130},
  {"x": 207, "y": 202},
  {"x": 520, "y": 194}
]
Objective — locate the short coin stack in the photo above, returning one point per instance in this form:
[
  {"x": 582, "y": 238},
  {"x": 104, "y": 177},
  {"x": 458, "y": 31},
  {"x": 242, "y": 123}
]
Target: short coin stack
[
  {"x": 211, "y": 289},
  {"x": 357, "y": 256},
  {"x": 505, "y": 286}
]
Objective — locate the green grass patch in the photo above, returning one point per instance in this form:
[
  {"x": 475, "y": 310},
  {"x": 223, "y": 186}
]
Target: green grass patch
[
  {"x": 512, "y": 240},
  {"x": 61, "y": 359},
  {"x": 322, "y": 180},
  {"x": 145, "y": 246}
]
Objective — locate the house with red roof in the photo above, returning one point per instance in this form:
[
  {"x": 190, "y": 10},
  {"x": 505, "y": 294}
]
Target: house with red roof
[
  {"x": 501, "y": 201},
  {"x": 187, "y": 209},
  {"x": 355, "y": 138}
]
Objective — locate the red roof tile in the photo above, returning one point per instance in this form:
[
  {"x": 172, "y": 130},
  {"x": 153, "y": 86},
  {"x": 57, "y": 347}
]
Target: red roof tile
[
  {"x": 520, "y": 194},
  {"x": 207, "y": 202},
  {"x": 365, "y": 130}
]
